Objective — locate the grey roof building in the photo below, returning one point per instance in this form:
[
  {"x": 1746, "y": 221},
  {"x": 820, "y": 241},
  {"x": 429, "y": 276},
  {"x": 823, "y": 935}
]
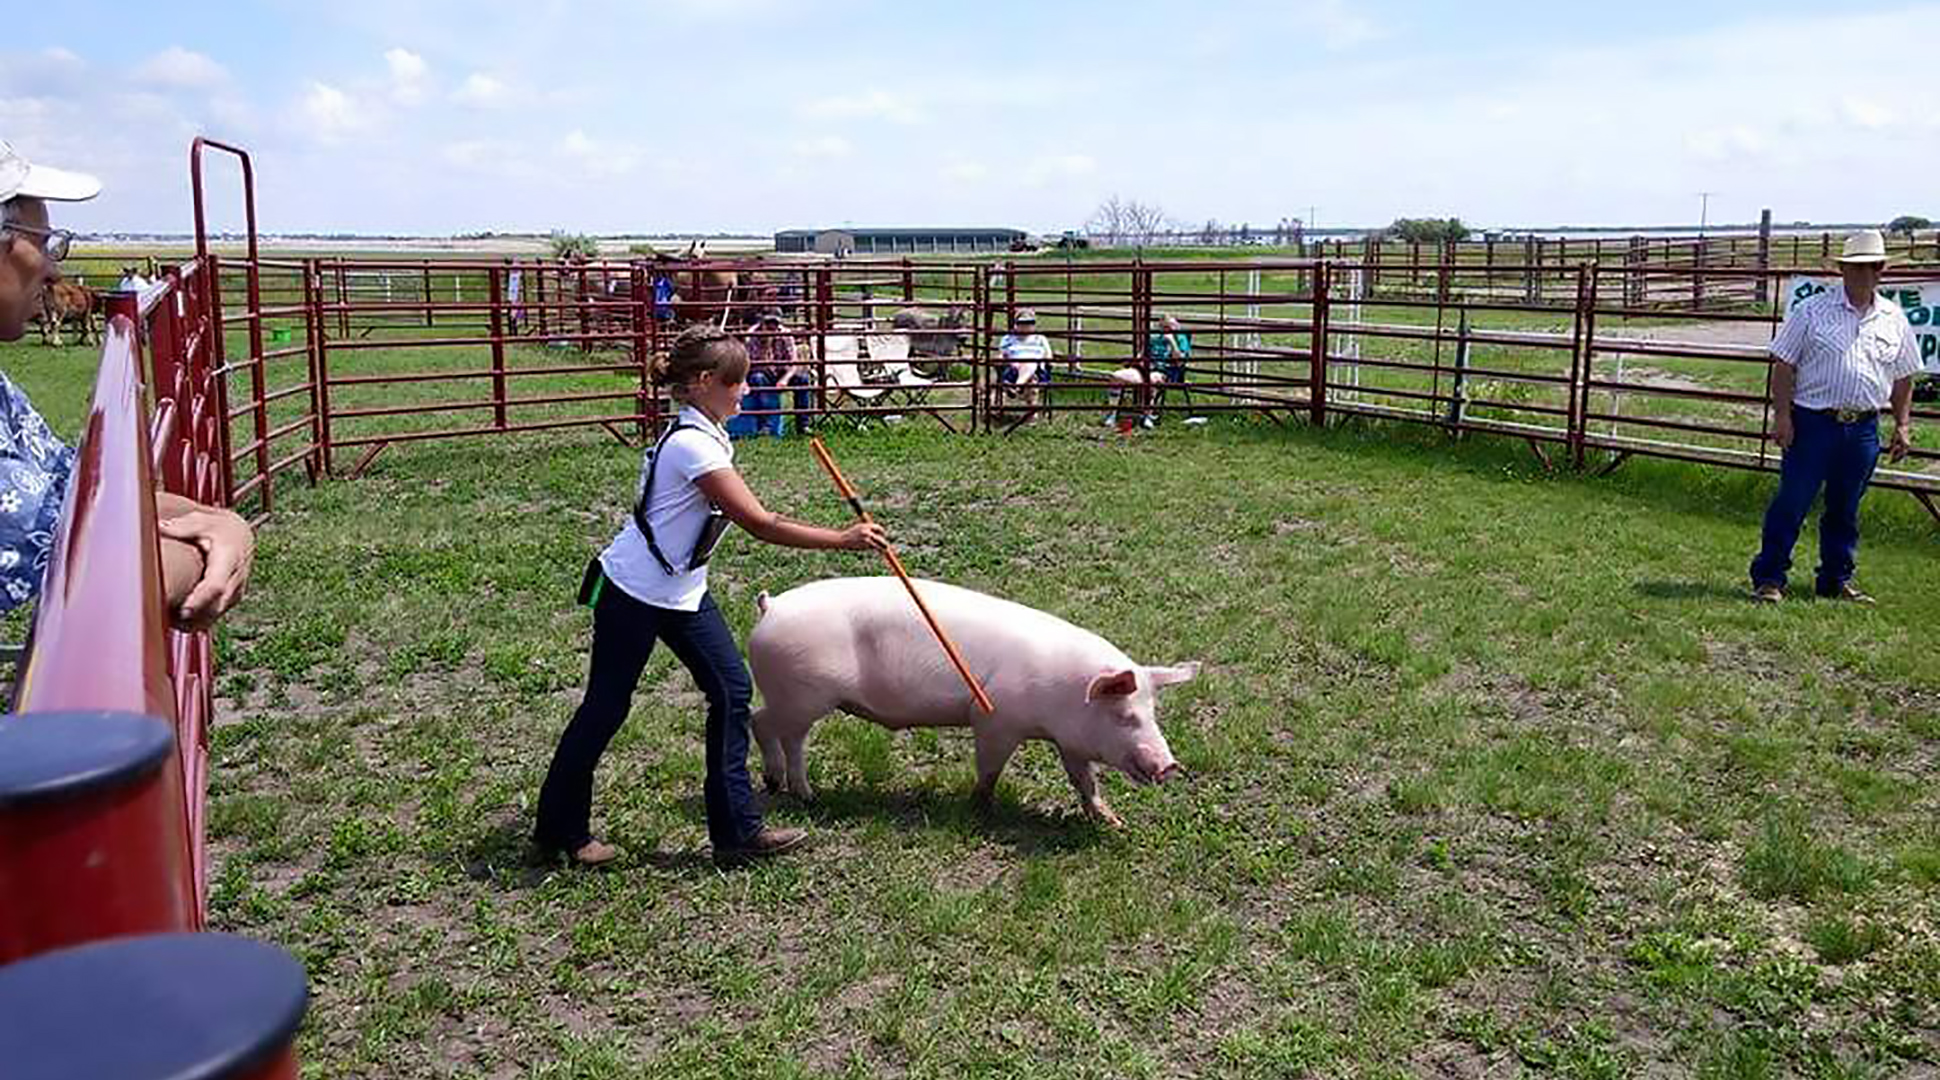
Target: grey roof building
[{"x": 894, "y": 241}]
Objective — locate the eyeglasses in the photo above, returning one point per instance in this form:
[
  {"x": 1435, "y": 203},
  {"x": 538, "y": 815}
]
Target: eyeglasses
[{"x": 54, "y": 243}]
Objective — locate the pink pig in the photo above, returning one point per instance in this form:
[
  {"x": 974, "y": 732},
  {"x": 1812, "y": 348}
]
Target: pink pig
[{"x": 859, "y": 645}]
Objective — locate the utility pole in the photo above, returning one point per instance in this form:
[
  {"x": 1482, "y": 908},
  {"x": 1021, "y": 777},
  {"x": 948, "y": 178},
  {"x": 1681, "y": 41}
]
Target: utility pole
[{"x": 1704, "y": 209}]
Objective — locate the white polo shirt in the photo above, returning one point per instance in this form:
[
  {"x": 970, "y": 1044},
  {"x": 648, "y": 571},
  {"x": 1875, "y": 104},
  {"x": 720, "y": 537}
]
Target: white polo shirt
[
  {"x": 676, "y": 513},
  {"x": 1846, "y": 357}
]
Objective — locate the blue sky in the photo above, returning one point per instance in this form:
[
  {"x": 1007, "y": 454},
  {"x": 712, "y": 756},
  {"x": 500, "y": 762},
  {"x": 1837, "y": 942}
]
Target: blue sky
[{"x": 435, "y": 116}]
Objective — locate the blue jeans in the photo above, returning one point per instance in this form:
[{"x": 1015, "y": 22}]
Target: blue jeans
[
  {"x": 1824, "y": 453},
  {"x": 763, "y": 377},
  {"x": 624, "y": 630}
]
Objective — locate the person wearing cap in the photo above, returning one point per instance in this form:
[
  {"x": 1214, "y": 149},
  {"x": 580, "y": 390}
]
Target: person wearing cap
[
  {"x": 206, "y": 551},
  {"x": 771, "y": 362},
  {"x": 1843, "y": 357},
  {"x": 1027, "y": 353}
]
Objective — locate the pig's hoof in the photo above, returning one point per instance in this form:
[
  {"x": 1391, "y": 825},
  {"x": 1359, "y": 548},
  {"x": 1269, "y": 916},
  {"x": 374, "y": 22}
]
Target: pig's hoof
[{"x": 1106, "y": 816}]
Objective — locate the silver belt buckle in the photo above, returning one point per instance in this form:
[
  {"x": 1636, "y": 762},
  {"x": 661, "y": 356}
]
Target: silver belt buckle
[{"x": 1850, "y": 416}]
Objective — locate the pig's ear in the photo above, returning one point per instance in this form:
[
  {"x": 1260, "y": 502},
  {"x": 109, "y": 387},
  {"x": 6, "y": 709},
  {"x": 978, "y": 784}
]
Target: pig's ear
[
  {"x": 1177, "y": 673},
  {"x": 1113, "y": 684}
]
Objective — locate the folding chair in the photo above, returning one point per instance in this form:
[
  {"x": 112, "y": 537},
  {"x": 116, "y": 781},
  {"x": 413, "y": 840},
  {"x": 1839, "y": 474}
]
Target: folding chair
[
  {"x": 843, "y": 377},
  {"x": 904, "y": 385}
]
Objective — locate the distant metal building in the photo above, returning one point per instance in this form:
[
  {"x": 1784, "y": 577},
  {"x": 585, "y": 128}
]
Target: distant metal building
[{"x": 894, "y": 241}]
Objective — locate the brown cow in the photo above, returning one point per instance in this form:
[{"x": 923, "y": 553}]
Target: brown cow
[{"x": 69, "y": 301}]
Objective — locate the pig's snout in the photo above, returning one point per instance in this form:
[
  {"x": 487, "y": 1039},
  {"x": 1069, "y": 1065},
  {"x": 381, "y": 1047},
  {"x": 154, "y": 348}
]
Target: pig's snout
[
  {"x": 1153, "y": 764},
  {"x": 1174, "y": 771}
]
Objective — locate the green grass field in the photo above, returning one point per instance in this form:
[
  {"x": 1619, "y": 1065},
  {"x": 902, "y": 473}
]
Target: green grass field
[{"x": 1495, "y": 773}]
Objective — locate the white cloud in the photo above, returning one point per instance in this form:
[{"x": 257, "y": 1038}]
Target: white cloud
[
  {"x": 823, "y": 146},
  {"x": 408, "y": 74},
  {"x": 598, "y": 158},
  {"x": 1724, "y": 144},
  {"x": 231, "y": 114},
  {"x": 1060, "y": 167},
  {"x": 54, "y": 72},
  {"x": 1339, "y": 25},
  {"x": 178, "y": 68},
  {"x": 1870, "y": 115},
  {"x": 481, "y": 91},
  {"x": 870, "y": 104},
  {"x": 329, "y": 115},
  {"x": 965, "y": 172}
]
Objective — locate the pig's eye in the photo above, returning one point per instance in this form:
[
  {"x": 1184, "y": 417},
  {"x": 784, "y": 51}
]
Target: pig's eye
[{"x": 1125, "y": 719}]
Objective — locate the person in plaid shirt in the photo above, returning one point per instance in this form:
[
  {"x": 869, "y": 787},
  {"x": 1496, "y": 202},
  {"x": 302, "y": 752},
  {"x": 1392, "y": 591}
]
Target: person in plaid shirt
[{"x": 771, "y": 362}]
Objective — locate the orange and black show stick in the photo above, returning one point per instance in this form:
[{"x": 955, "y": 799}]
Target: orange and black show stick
[{"x": 848, "y": 492}]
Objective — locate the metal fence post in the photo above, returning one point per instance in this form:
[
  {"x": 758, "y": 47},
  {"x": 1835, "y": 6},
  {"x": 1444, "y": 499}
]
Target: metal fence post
[
  {"x": 642, "y": 351},
  {"x": 1317, "y": 373},
  {"x": 319, "y": 365},
  {"x": 218, "y": 362},
  {"x": 494, "y": 295},
  {"x": 824, "y": 318},
  {"x": 1576, "y": 416},
  {"x": 1764, "y": 256}
]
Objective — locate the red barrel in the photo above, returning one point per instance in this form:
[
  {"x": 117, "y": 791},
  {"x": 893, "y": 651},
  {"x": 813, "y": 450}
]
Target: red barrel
[
  {"x": 156, "y": 1007},
  {"x": 92, "y": 839}
]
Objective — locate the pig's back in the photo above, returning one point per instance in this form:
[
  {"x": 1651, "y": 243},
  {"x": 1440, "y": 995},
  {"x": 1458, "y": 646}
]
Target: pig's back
[{"x": 882, "y": 605}]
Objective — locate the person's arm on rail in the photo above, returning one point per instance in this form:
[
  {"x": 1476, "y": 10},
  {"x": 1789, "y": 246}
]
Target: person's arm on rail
[
  {"x": 1783, "y": 375},
  {"x": 726, "y": 489},
  {"x": 206, "y": 557},
  {"x": 1787, "y": 347},
  {"x": 1902, "y": 442}
]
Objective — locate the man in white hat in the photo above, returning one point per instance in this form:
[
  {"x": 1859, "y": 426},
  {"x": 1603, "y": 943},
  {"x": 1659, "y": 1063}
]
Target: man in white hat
[
  {"x": 206, "y": 552},
  {"x": 1844, "y": 356}
]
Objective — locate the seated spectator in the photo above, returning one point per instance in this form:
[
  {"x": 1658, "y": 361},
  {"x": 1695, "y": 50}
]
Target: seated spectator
[
  {"x": 1168, "y": 349},
  {"x": 771, "y": 362},
  {"x": 206, "y": 551},
  {"x": 1027, "y": 353}
]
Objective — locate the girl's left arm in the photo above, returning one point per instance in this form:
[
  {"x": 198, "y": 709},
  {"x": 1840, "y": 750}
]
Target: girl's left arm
[{"x": 730, "y": 492}]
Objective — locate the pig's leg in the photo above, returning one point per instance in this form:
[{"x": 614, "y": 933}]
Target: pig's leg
[
  {"x": 1085, "y": 779},
  {"x": 994, "y": 749},
  {"x": 781, "y": 730},
  {"x": 773, "y": 764},
  {"x": 794, "y": 743}
]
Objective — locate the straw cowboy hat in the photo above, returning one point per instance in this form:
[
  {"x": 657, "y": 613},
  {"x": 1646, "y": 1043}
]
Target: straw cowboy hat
[{"x": 1864, "y": 246}]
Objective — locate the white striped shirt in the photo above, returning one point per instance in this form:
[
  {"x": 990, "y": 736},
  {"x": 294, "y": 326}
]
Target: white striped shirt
[{"x": 1846, "y": 358}]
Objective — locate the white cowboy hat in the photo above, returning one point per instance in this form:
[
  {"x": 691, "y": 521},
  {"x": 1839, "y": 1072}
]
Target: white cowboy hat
[
  {"x": 1864, "y": 246},
  {"x": 20, "y": 178}
]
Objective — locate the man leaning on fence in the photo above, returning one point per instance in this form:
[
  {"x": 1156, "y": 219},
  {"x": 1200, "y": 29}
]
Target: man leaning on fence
[
  {"x": 1843, "y": 357},
  {"x": 206, "y": 551}
]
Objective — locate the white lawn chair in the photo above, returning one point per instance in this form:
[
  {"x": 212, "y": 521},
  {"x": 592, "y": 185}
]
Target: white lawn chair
[
  {"x": 903, "y": 384},
  {"x": 843, "y": 375}
]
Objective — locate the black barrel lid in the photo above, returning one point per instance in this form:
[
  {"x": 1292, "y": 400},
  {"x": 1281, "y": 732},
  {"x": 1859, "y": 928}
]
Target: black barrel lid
[
  {"x": 64, "y": 755},
  {"x": 157, "y": 1007}
]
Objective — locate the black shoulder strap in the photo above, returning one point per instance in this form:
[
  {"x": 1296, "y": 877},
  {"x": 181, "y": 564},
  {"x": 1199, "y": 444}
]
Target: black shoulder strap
[{"x": 646, "y": 493}]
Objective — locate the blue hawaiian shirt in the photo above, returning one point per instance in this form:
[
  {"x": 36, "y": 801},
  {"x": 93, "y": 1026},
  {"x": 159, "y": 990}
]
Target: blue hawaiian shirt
[{"x": 34, "y": 467}]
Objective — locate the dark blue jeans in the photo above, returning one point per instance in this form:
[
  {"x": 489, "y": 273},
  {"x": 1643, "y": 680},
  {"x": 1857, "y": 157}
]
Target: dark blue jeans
[
  {"x": 1824, "y": 453},
  {"x": 624, "y": 630},
  {"x": 763, "y": 377}
]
